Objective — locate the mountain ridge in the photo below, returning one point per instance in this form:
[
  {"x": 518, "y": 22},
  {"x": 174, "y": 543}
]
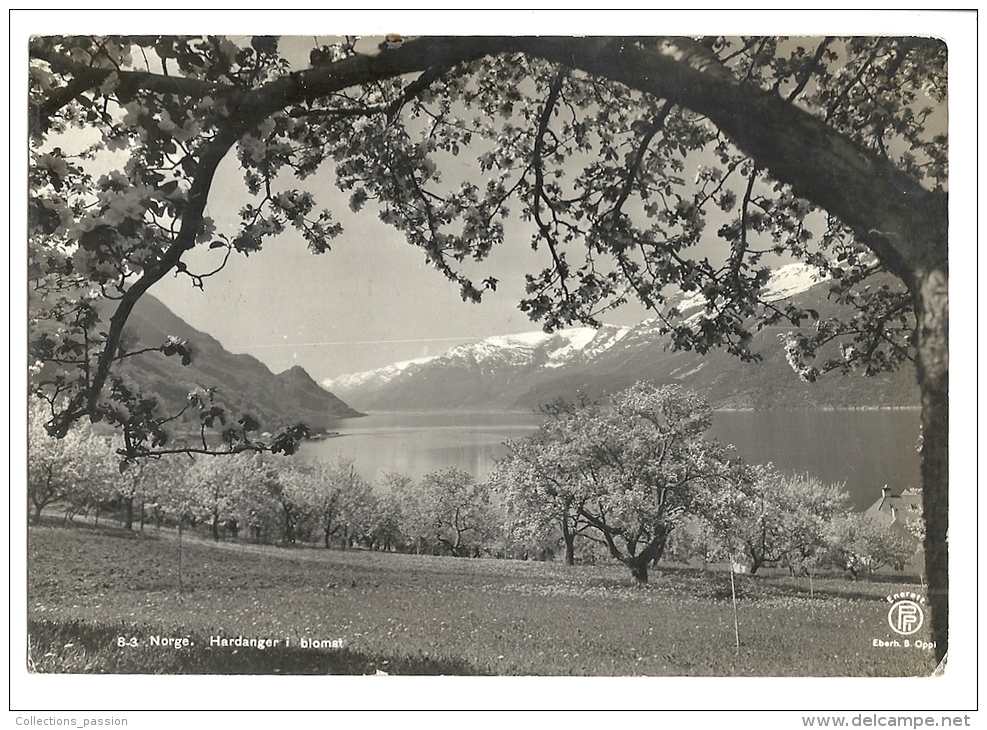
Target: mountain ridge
[
  {"x": 525, "y": 370},
  {"x": 240, "y": 381}
]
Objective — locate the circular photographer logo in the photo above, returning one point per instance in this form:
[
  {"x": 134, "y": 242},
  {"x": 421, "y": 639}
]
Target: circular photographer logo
[{"x": 905, "y": 617}]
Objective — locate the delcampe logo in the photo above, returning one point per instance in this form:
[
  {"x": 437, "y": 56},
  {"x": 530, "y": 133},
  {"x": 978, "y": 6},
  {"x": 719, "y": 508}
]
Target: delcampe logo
[{"x": 906, "y": 616}]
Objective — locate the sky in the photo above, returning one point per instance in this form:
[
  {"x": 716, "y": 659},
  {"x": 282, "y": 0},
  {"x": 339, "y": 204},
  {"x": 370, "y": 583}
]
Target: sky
[{"x": 370, "y": 301}]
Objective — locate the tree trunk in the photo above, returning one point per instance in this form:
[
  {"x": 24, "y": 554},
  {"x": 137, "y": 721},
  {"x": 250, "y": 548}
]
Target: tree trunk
[
  {"x": 932, "y": 363},
  {"x": 289, "y": 528},
  {"x": 757, "y": 561},
  {"x": 652, "y": 553},
  {"x": 639, "y": 567},
  {"x": 570, "y": 550},
  {"x": 130, "y": 512},
  {"x": 215, "y": 526},
  {"x": 570, "y": 543}
]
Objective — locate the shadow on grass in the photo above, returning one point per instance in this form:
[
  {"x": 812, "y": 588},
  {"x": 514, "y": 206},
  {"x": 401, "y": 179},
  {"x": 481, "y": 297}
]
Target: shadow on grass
[
  {"x": 107, "y": 526},
  {"x": 78, "y": 647}
]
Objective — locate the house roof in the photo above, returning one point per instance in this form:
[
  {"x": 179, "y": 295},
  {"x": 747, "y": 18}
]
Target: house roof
[{"x": 893, "y": 509}]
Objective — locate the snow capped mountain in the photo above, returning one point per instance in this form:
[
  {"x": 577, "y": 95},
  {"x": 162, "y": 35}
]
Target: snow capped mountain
[
  {"x": 503, "y": 354},
  {"x": 785, "y": 281},
  {"x": 539, "y": 348},
  {"x": 543, "y": 349},
  {"x": 791, "y": 279},
  {"x": 524, "y": 370},
  {"x": 380, "y": 375}
]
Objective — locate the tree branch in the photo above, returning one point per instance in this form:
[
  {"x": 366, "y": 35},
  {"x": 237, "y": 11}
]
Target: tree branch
[{"x": 810, "y": 69}]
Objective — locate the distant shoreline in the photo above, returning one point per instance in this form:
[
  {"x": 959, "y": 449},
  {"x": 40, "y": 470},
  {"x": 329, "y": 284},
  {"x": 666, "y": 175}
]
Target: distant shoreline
[{"x": 725, "y": 409}]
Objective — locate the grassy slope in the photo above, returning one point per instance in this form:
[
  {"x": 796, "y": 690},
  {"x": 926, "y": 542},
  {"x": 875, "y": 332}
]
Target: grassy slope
[{"x": 425, "y": 615}]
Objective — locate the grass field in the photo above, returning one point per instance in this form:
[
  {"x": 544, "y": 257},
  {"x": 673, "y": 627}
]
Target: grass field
[{"x": 101, "y": 600}]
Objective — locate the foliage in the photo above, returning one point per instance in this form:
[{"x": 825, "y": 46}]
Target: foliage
[
  {"x": 133, "y": 487},
  {"x": 149, "y": 485},
  {"x": 915, "y": 520},
  {"x": 78, "y": 469},
  {"x": 288, "y": 490},
  {"x": 334, "y": 494},
  {"x": 777, "y": 518},
  {"x": 385, "y": 518},
  {"x": 450, "y": 511},
  {"x": 217, "y": 489},
  {"x": 624, "y": 474},
  {"x": 167, "y": 109},
  {"x": 861, "y": 544},
  {"x": 696, "y": 539},
  {"x": 541, "y": 506}
]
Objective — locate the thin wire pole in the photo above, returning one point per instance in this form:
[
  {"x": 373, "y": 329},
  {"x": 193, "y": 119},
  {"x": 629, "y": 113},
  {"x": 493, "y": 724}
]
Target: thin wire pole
[
  {"x": 736, "y": 620},
  {"x": 180, "y": 588}
]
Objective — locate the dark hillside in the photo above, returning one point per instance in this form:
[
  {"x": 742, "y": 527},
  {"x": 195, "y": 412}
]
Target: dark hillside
[{"x": 242, "y": 382}]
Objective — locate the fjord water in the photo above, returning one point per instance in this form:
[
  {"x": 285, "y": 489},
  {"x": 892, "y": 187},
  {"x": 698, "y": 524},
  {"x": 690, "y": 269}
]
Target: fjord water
[{"x": 866, "y": 449}]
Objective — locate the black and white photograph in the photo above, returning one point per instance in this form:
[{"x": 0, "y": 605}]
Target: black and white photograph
[{"x": 611, "y": 349}]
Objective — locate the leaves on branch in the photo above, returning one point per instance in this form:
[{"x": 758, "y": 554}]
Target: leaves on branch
[
  {"x": 287, "y": 441},
  {"x": 175, "y": 346},
  {"x": 626, "y": 185}
]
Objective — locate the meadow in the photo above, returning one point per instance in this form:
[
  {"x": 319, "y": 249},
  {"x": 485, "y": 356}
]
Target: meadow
[{"x": 105, "y": 600}]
